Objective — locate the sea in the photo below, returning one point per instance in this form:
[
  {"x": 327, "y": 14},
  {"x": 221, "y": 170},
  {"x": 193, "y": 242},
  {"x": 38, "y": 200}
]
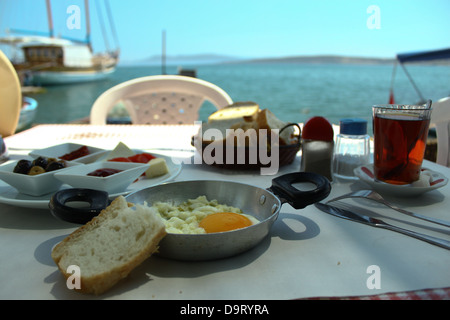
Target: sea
[{"x": 294, "y": 92}]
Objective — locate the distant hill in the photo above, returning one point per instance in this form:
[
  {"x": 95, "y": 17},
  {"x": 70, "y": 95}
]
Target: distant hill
[
  {"x": 324, "y": 59},
  {"x": 183, "y": 59},
  {"x": 200, "y": 59}
]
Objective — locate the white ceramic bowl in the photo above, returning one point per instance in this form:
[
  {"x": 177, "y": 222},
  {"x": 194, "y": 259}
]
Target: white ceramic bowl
[
  {"x": 77, "y": 177},
  {"x": 60, "y": 150},
  {"x": 36, "y": 185}
]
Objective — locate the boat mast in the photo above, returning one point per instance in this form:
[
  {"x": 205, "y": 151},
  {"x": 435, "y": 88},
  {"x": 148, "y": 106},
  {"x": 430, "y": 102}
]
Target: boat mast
[
  {"x": 163, "y": 55},
  {"x": 113, "y": 27},
  {"x": 88, "y": 24},
  {"x": 49, "y": 17}
]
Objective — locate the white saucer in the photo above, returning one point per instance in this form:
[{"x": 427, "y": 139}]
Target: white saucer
[
  {"x": 9, "y": 195},
  {"x": 436, "y": 180}
]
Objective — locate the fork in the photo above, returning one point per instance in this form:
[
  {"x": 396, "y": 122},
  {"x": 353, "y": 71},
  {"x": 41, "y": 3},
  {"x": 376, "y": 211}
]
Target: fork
[{"x": 375, "y": 196}]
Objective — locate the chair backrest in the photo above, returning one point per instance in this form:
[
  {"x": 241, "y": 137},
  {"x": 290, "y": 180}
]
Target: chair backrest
[
  {"x": 165, "y": 99},
  {"x": 10, "y": 97},
  {"x": 440, "y": 118}
]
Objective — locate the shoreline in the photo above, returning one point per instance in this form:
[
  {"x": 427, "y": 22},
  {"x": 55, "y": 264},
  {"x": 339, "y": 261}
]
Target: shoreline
[{"x": 313, "y": 59}]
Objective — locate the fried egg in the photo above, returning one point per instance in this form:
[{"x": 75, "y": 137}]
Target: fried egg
[
  {"x": 224, "y": 221},
  {"x": 199, "y": 216}
]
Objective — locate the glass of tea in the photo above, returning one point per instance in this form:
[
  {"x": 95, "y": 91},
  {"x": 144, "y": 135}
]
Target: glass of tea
[{"x": 400, "y": 137}]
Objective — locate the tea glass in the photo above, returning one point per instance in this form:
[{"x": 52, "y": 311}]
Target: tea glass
[{"x": 400, "y": 137}]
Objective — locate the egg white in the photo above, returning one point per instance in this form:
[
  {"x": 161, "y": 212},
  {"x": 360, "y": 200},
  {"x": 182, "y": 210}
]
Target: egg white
[{"x": 185, "y": 217}]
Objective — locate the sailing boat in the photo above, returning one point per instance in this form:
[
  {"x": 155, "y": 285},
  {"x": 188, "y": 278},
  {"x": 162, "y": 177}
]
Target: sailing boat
[{"x": 47, "y": 60}]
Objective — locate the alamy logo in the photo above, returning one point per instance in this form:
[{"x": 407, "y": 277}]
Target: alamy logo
[
  {"x": 237, "y": 147},
  {"x": 374, "y": 280},
  {"x": 374, "y": 20},
  {"x": 74, "y": 20},
  {"x": 74, "y": 280}
]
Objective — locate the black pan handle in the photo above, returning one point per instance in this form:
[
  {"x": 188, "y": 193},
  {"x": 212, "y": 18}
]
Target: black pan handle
[
  {"x": 97, "y": 200},
  {"x": 283, "y": 188}
]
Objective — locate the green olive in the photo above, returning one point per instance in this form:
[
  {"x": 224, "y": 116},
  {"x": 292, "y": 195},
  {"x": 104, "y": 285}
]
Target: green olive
[{"x": 35, "y": 170}]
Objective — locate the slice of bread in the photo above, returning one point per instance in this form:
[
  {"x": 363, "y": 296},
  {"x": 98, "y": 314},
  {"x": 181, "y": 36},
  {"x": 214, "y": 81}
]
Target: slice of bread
[
  {"x": 236, "y": 115},
  {"x": 236, "y": 112},
  {"x": 111, "y": 245},
  {"x": 245, "y": 116},
  {"x": 267, "y": 120},
  {"x": 216, "y": 131}
]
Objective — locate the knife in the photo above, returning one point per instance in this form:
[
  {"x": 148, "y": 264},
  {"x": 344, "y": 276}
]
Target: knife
[{"x": 358, "y": 217}]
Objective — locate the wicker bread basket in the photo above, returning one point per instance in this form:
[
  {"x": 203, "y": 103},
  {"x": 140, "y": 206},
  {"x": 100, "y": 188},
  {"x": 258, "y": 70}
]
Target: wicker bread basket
[{"x": 287, "y": 154}]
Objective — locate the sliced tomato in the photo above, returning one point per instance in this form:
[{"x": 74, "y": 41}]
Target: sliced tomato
[
  {"x": 120, "y": 159},
  {"x": 137, "y": 158},
  {"x": 141, "y": 157},
  {"x": 78, "y": 153}
]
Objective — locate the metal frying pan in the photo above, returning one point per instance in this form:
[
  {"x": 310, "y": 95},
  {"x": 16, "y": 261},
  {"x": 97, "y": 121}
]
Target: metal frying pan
[{"x": 263, "y": 204}]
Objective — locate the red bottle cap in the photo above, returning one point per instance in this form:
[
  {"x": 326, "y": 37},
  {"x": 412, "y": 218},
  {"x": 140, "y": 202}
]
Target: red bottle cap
[{"x": 318, "y": 128}]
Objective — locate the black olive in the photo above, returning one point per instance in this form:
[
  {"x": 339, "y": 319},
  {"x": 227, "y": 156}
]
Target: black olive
[
  {"x": 55, "y": 165},
  {"x": 41, "y": 162},
  {"x": 23, "y": 166},
  {"x": 50, "y": 160}
]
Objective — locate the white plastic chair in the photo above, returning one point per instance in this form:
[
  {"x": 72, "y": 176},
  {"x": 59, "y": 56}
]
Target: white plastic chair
[
  {"x": 165, "y": 99},
  {"x": 440, "y": 118},
  {"x": 10, "y": 97}
]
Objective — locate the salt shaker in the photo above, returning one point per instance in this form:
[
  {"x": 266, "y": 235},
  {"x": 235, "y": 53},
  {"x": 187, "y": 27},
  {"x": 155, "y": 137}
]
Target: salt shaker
[
  {"x": 352, "y": 148},
  {"x": 317, "y": 147}
]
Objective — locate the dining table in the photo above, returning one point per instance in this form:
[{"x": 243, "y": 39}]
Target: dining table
[{"x": 308, "y": 254}]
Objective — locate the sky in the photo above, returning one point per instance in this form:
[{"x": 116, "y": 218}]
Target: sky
[{"x": 246, "y": 28}]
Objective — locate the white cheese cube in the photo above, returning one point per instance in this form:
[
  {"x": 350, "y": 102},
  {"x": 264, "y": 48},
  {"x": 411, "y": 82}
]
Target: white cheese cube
[
  {"x": 121, "y": 150},
  {"x": 158, "y": 167}
]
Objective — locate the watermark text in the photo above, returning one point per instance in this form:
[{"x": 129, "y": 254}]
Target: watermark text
[
  {"x": 74, "y": 20},
  {"x": 74, "y": 280},
  {"x": 250, "y": 147},
  {"x": 374, "y": 280},
  {"x": 374, "y": 20}
]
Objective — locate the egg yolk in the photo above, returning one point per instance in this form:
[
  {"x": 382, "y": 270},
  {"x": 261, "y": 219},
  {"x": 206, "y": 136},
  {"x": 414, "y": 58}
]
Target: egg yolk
[{"x": 224, "y": 221}]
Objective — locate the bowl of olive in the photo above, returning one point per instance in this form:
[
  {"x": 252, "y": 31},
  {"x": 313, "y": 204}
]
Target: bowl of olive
[{"x": 34, "y": 177}]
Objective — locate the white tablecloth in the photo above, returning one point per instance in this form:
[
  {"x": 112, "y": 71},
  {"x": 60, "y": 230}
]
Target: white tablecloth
[{"x": 308, "y": 253}]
